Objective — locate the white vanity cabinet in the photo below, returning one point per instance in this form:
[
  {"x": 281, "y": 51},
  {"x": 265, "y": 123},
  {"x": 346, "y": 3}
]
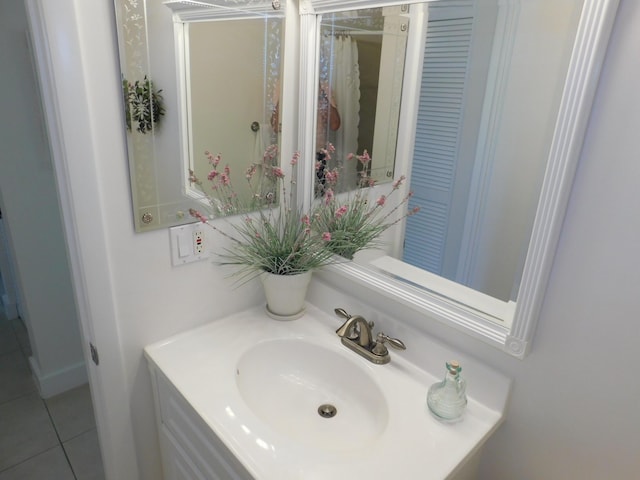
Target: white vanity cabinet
[
  {"x": 190, "y": 449},
  {"x": 243, "y": 398}
]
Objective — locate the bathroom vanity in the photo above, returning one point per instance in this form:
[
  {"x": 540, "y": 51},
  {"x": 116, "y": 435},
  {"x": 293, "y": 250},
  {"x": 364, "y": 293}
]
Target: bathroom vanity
[{"x": 249, "y": 397}]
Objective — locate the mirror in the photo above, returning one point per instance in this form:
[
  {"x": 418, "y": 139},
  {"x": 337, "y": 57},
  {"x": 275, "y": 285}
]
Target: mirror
[
  {"x": 480, "y": 145},
  {"x": 360, "y": 70},
  {"x": 494, "y": 104},
  {"x": 184, "y": 97}
]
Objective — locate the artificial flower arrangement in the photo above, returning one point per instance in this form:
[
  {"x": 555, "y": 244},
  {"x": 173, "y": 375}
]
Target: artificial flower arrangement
[
  {"x": 278, "y": 238},
  {"x": 281, "y": 239},
  {"x": 357, "y": 221}
]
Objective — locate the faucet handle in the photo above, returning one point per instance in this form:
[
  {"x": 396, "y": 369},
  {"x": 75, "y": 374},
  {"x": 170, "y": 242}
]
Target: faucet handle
[
  {"x": 346, "y": 329},
  {"x": 380, "y": 349},
  {"x": 350, "y": 330}
]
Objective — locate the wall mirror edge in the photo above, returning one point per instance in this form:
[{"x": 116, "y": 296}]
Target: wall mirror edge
[{"x": 513, "y": 332}]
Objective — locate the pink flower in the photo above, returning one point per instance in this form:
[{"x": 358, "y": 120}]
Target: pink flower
[
  {"x": 328, "y": 196},
  {"x": 381, "y": 200},
  {"x": 398, "y": 182},
  {"x": 225, "y": 180},
  {"x": 227, "y": 170},
  {"x": 196, "y": 214},
  {"x": 277, "y": 171},
  {"x": 250, "y": 172},
  {"x": 326, "y": 153},
  {"x": 212, "y": 174},
  {"x": 213, "y": 160},
  {"x": 341, "y": 211},
  {"x": 326, "y": 236},
  {"x": 364, "y": 158},
  {"x": 306, "y": 220},
  {"x": 295, "y": 158},
  {"x": 332, "y": 176},
  {"x": 270, "y": 153},
  {"x": 350, "y": 156}
]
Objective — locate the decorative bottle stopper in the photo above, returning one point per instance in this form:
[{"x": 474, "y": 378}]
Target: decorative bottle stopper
[{"x": 447, "y": 399}]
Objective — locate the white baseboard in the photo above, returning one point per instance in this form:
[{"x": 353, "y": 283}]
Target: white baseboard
[{"x": 59, "y": 381}]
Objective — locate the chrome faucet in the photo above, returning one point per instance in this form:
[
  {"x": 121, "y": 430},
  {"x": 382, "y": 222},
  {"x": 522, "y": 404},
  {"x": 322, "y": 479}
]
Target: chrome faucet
[{"x": 357, "y": 334}]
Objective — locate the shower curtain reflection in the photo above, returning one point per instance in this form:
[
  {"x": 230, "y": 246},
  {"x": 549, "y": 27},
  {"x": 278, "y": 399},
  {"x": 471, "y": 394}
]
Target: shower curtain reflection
[{"x": 339, "y": 88}]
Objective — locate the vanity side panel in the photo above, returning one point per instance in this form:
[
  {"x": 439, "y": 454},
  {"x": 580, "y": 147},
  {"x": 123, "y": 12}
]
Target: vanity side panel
[
  {"x": 467, "y": 470},
  {"x": 185, "y": 432},
  {"x": 176, "y": 462},
  {"x": 166, "y": 467}
]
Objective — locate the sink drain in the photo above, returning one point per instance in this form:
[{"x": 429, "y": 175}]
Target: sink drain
[{"x": 327, "y": 410}]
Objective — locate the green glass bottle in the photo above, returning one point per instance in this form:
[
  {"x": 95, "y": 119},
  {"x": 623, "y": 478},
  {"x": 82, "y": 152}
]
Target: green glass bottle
[{"x": 447, "y": 399}]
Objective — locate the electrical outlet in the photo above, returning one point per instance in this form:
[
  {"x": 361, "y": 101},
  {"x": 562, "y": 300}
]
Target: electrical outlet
[
  {"x": 198, "y": 241},
  {"x": 188, "y": 244}
]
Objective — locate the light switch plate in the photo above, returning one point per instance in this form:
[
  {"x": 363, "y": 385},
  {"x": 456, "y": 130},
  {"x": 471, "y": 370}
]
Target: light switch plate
[{"x": 188, "y": 244}]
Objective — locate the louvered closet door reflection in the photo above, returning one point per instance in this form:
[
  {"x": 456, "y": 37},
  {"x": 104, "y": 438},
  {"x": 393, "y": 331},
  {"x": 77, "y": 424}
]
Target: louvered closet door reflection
[{"x": 438, "y": 132}]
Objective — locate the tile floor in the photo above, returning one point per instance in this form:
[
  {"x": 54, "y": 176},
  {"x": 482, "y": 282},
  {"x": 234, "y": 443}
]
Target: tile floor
[{"x": 53, "y": 439}]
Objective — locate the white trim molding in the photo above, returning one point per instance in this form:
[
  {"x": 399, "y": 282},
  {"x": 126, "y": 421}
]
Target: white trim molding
[
  {"x": 66, "y": 35},
  {"x": 59, "y": 381}
]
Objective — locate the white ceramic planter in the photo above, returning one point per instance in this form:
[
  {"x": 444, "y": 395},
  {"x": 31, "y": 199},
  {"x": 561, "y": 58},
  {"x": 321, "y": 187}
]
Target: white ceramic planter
[{"x": 285, "y": 294}]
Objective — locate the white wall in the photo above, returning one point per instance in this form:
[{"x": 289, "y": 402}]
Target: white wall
[
  {"x": 574, "y": 409},
  {"x": 228, "y": 80},
  {"x": 573, "y": 412},
  {"x": 32, "y": 217},
  {"x": 8, "y": 288},
  {"x": 129, "y": 294}
]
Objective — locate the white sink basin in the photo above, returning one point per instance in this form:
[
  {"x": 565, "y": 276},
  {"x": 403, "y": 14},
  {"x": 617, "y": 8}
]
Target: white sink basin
[
  {"x": 257, "y": 383},
  {"x": 312, "y": 395}
]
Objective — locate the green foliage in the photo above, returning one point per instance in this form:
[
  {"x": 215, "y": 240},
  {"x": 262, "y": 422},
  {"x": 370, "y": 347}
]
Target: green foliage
[
  {"x": 283, "y": 240},
  {"x": 278, "y": 241},
  {"x": 143, "y": 104},
  {"x": 356, "y": 221},
  {"x": 278, "y": 238},
  {"x": 354, "y": 230},
  {"x": 262, "y": 180}
]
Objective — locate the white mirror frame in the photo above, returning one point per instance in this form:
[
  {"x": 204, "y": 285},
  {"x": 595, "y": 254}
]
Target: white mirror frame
[{"x": 513, "y": 330}]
